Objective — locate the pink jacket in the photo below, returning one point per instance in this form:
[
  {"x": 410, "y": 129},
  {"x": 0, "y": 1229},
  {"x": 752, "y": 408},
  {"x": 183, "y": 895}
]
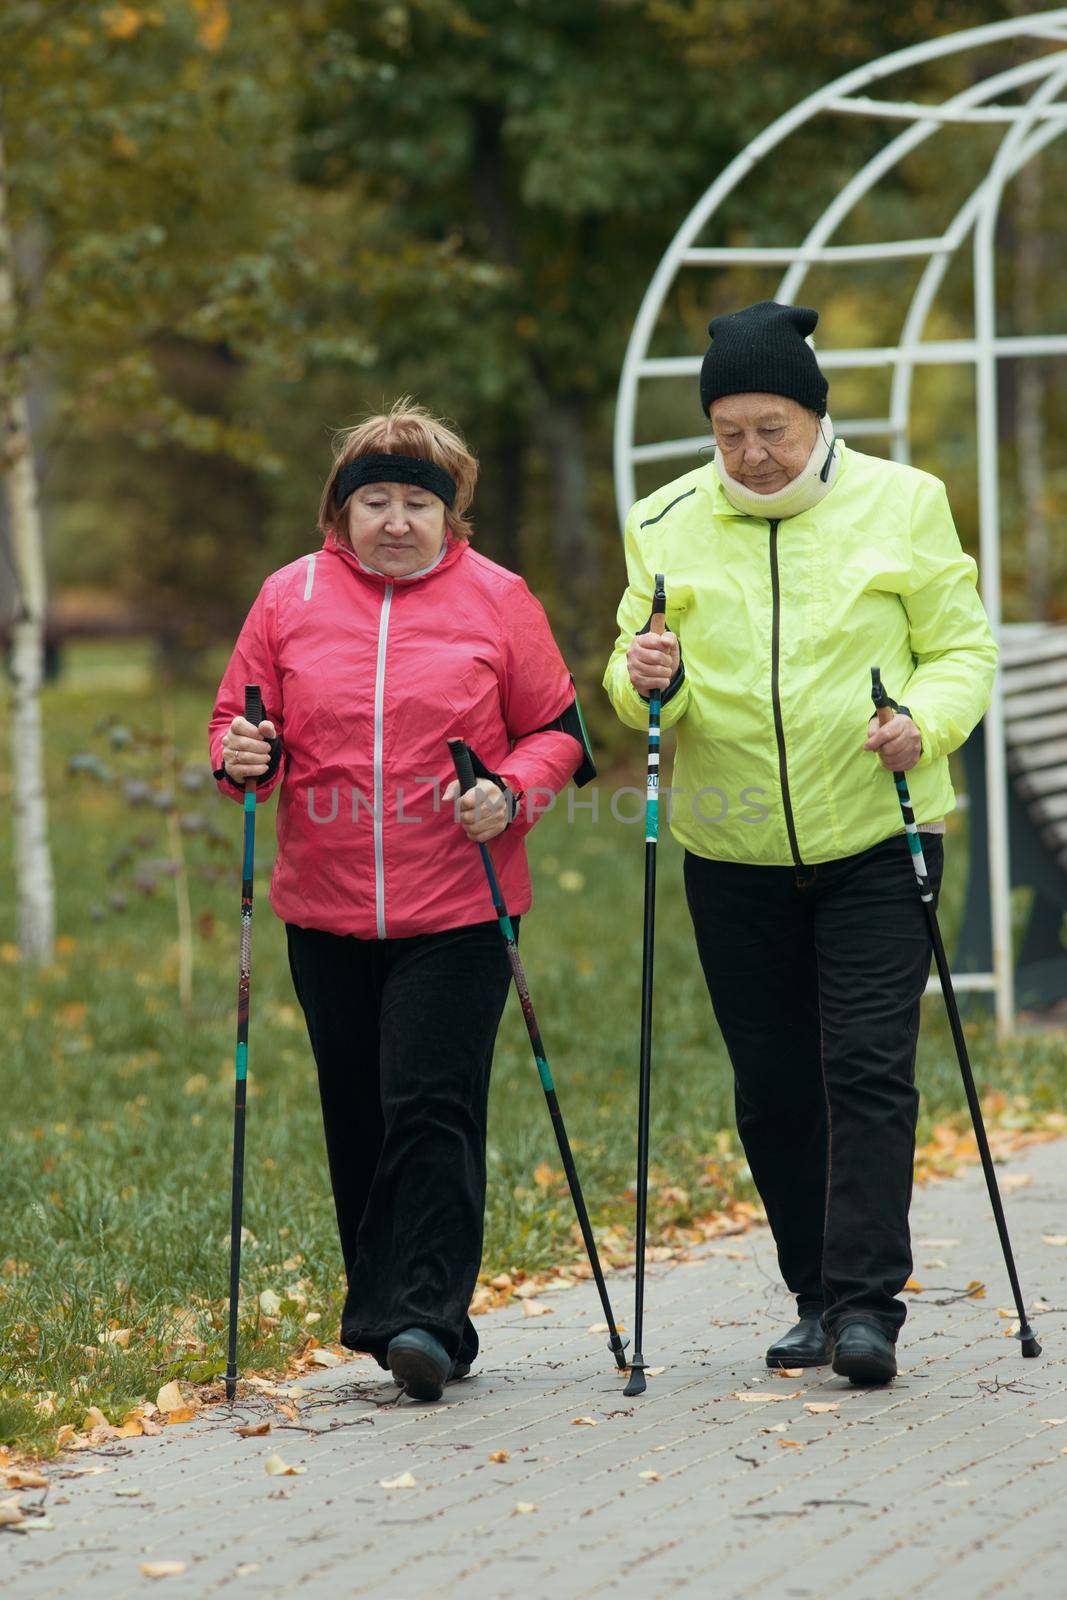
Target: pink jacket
[{"x": 365, "y": 678}]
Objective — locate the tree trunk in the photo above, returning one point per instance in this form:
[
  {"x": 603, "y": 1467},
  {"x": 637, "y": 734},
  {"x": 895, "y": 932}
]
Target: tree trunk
[
  {"x": 18, "y": 481},
  {"x": 561, "y": 425},
  {"x": 1029, "y": 415},
  {"x": 498, "y": 504}
]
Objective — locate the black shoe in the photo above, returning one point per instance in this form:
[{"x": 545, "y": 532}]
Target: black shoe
[
  {"x": 806, "y": 1345},
  {"x": 863, "y": 1354},
  {"x": 460, "y": 1369},
  {"x": 419, "y": 1363}
]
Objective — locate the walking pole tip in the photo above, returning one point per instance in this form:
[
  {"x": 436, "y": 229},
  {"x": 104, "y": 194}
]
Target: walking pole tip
[
  {"x": 637, "y": 1384},
  {"x": 1028, "y": 1342}
]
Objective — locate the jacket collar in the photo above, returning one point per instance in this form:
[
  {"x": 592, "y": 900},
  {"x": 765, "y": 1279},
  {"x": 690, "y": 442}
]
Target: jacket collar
[{"x": 454, "y": 549}]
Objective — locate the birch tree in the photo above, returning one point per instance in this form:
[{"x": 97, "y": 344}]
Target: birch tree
[{"x": 18, "y": 484}]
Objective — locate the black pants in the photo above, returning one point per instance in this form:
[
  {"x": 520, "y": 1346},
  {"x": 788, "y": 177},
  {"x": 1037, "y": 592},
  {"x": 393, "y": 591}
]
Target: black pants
[
  {"x": 815, "y": 976},
  {"x": 403, "y": 1033}
]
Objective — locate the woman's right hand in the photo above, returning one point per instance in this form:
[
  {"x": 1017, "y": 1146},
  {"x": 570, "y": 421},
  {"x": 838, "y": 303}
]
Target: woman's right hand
[
  {"x": 245, "y": 751},
  {"x": 652, "y": 660}
]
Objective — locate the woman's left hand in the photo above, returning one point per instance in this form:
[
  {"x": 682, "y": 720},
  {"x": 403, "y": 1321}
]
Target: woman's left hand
[
  {"x": 898, "y": 742},
  {"x": 483, "y": 810}
]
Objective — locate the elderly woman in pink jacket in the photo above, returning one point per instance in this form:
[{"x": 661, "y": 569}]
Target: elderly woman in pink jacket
[{"x": 393, "y": 637}]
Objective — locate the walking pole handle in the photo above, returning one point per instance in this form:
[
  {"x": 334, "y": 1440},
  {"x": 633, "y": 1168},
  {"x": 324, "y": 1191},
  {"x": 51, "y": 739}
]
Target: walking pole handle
[
  {"x": 882, "y": 709},
  {"x": 254, "y": 712},
  {"x": 461, "y": 760},
  {"x": 658, "y": 621}
]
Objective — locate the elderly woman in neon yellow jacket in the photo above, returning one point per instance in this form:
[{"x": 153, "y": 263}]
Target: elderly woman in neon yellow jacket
[{"x": 793, "y": 565}]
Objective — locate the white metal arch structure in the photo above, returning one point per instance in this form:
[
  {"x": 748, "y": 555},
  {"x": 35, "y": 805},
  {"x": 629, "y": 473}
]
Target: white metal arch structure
[{"x": 1030, "y": 123}]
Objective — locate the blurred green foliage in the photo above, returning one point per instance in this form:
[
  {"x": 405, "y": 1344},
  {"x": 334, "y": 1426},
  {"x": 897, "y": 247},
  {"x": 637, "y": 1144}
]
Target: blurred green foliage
[{"x": 239, "y": 227}]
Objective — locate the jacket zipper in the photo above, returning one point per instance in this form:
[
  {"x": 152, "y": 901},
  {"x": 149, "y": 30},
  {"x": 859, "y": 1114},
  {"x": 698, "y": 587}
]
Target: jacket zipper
[
  {"x": 776, "y": 699},
  {"x": 379, "y": 808}
]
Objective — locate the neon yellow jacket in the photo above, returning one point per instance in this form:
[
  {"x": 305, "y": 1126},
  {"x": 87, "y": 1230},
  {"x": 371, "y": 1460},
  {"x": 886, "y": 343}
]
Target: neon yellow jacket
[{"x": 779, "y": 625}]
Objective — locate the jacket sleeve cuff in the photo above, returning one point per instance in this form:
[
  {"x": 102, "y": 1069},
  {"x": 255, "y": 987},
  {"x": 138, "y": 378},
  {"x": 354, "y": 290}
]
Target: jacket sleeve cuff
[
  {"x": 675, "y": 684},
  {"x": 512, "y": 797},
  {"x": 266, "y": 782},
  {"x": 679, "y": 677}
]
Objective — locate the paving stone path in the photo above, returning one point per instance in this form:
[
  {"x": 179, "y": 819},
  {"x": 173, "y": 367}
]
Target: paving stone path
[{"x": 953, "y": 1482}]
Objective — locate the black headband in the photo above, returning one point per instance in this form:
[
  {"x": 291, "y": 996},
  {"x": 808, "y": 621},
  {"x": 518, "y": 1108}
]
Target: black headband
[{"x": 385, "y": 468}]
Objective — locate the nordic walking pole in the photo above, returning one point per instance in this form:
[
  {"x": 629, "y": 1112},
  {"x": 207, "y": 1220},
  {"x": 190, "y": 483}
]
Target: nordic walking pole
[
  {"x": 461, "y": 758},
  {"x": 637, "y": 1384},
  {"x": 254, "y": 714},
  {"x": 884, "y": 711}
]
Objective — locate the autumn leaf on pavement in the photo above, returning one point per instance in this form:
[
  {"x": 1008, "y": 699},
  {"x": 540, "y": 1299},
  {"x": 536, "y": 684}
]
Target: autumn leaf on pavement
[
  {"x": 279, "y": 1468},
  {"x": 791, "y": 1444},
  {"x": 818, "y": 1406},
  {"x": 162, "y": 1569},
  {"x": 26, "y": 1478},
  {"x": 170, "y": 1397},
  {"x": 536, "y": 1308},
  {"x": 406, "y": 1480},
  {"x": 500, "y": 1456},
  {"x": 583, "y": 1422},
  {"x": 524, "y": 1507},
  {"x": 650, "y": 1476},
  {"x": 253, "y": 1430}
]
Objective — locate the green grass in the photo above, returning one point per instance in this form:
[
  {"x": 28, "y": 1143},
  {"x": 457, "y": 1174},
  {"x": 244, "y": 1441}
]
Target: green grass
[{"x": 118, "y": 1106}]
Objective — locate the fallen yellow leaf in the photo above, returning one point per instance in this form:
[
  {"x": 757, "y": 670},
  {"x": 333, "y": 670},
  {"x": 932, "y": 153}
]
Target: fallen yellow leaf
[
  {"x": 170, "y": 1397},
  {"x": 26, "y": 1478},
  {"x": 775, "y": 1427},
  {"x": 764, "y": 1399},
  {"x": 280, "y": 1469},
  {"x": 253, "y": 1430},
  {"x": 325, "y": 1358},
  {"x": 10, "y": 1515},
  {"x": 536, "y": 1308},
  {"x": 94, "y": 1418},
  {"x": 911, "y": 1287},
  {"x": 162, "y": 1569},
  {"x": 544, "y": 1175},
  {"x": 524, "y": 1507},
  {"x": 179, "y": 1414},
  {"x": 583, "y": 1422},
  {"x": 405, "y": 1481},
  {"x": 818, "y": 1406},
  {"x": 650, "y": 1476},
  {"x": 789, "y": 1372},
  {"x": 119, "y": 1336},
  {"x": 1059, "y": 1239},
  {"x": 790, "y": 1444},
  {"x": 500, "y": 1456}
]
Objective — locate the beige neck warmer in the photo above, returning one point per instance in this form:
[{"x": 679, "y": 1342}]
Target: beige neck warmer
[{"x": 812, "y": 484}]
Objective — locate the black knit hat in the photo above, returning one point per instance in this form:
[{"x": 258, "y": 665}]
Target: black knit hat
[{"x": 761, "y": 350}]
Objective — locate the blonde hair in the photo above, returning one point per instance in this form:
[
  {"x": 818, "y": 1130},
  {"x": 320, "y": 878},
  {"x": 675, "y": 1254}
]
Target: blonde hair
[{"x": 410, "y": 430}]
